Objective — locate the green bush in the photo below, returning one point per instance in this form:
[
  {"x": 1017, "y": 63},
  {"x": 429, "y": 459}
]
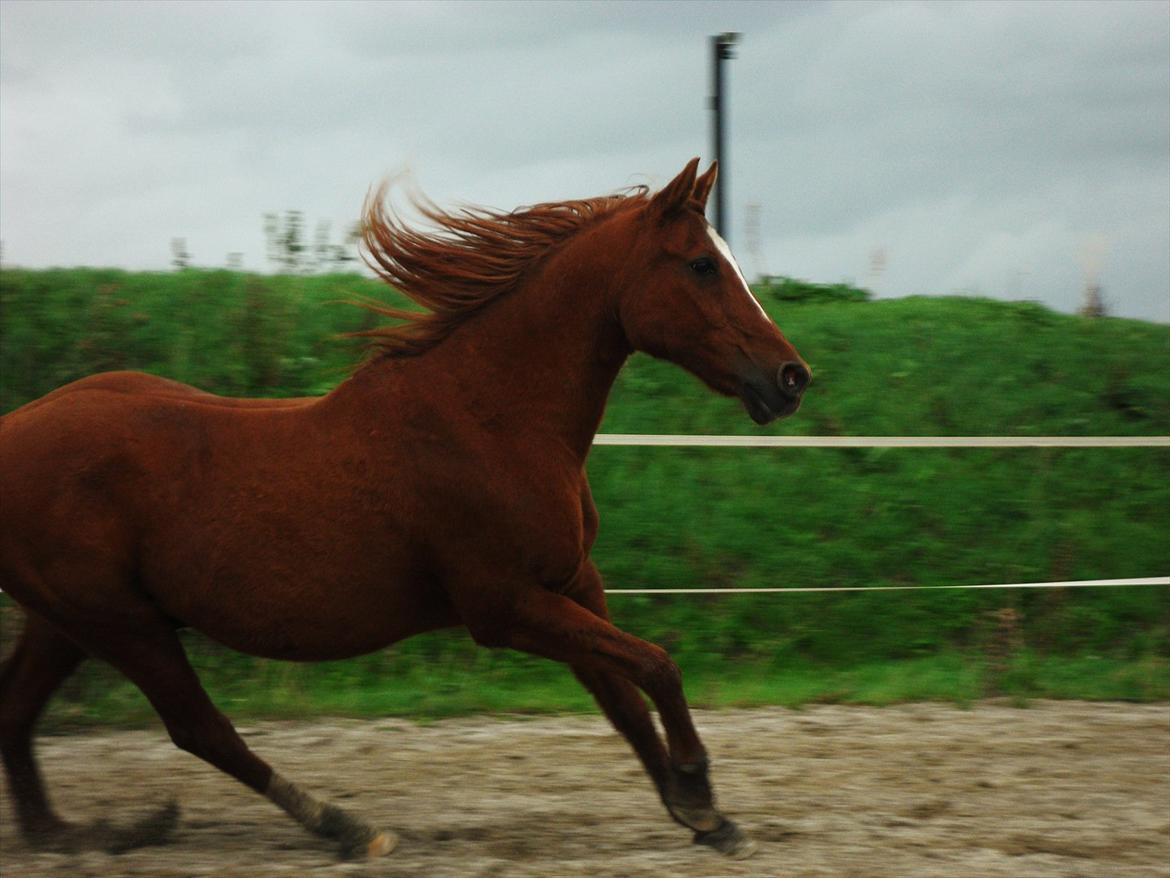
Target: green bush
[{"x": 716, "y": 518}]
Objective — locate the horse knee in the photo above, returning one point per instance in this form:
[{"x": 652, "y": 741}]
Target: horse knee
[{"x": 662, "y": 675}]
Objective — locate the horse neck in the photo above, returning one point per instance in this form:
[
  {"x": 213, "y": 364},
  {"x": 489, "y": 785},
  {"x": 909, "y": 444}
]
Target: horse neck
[{"x": 540, "y": 361}]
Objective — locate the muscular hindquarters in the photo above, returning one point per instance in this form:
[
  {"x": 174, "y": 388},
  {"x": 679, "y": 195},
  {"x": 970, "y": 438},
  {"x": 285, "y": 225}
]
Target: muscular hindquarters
[{"x": 266, "y": 528}]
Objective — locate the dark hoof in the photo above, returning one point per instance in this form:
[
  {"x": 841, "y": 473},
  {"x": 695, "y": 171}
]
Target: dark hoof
[
  {"x": 689, "y": 799},
  {"x": 728, "y": 839},
  {"x": 154, "y": 829},
  {"x": 50, "y": 835}
]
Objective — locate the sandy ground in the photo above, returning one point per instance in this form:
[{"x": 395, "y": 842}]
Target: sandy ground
[{"x": 1055, "y": 789}]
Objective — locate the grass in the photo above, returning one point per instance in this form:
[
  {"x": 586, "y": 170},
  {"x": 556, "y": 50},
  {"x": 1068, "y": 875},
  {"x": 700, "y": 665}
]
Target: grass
[
  {"x": 464, "y": 680},
  {"x": 683, "y": 517}
]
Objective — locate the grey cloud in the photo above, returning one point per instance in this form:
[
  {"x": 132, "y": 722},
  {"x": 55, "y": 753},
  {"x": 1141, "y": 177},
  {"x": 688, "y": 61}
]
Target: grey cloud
[{"x": 981, "y": 145}]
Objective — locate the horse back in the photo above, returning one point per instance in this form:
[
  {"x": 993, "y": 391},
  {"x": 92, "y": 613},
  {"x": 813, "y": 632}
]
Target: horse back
[
  {"x": 127, "y": 446},
  {"x": 154, "y": 387}
]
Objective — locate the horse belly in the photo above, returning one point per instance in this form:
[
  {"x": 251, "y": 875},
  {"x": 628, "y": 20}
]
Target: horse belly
[
  {"x": 270, "y": 597},
  {"x": 302, "y": 621}
]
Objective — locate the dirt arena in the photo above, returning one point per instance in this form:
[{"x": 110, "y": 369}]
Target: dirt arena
[{"x": 1055, "y": 789}]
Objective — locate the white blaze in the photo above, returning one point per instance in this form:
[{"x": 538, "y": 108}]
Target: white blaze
[{"x": 725, "y": 252}]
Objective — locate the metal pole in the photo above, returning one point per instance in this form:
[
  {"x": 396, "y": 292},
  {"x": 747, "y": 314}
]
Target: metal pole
[{"x": 722, "y": 47}]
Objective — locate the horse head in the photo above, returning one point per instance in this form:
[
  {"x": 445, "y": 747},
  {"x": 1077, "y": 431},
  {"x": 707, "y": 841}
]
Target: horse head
[{"x": 684, "y": 299}]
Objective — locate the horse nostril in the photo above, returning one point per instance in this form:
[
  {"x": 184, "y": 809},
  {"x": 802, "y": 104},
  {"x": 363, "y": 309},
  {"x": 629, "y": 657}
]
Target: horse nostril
[{"x": 793, "y": 378}]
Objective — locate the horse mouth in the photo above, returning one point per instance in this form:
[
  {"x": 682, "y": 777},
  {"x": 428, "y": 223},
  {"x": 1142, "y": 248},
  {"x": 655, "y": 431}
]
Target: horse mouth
[{"x": 761, "y": 410}]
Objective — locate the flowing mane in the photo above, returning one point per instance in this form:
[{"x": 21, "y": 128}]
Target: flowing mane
[{"x": 471, "y": 258}]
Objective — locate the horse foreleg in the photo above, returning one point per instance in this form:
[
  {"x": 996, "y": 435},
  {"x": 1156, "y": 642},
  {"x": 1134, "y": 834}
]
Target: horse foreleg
[
  {"x": 686, "y": 793},
  {"x": 626, "y": 710},
  {"x": 42, "y": 660},
  {"x": 154, "y": 661},
  {"x": 611, "y": 663},
  {"x": 618, "y": 698}
]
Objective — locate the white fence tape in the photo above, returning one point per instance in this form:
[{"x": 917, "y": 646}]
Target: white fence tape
[
  {"x": 883, "y": 441},
  {"x": 630, "y": 439},
  {"x": 1078, "y": 583}
]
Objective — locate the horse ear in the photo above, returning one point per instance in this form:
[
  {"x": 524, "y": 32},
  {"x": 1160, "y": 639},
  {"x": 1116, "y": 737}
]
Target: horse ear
[
  {"x": 675, "y": 195},
  {"x": 705, "y": 184}
]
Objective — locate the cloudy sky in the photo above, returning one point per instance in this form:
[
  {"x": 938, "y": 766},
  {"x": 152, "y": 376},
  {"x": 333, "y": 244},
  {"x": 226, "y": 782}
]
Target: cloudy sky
[{"x": 1003, "y": 150}]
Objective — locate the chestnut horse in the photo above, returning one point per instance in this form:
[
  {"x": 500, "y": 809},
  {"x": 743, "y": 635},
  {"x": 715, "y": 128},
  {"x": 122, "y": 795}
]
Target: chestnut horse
[{"x": 442, "y": 484}]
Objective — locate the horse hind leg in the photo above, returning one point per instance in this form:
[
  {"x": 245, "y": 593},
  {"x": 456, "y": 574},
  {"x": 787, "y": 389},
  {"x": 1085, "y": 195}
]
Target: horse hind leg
[
  {"x": 42, "y": 660},
  {"x": 153, "y": 658}
]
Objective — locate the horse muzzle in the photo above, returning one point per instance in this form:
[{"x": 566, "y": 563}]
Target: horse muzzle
[{"x": 767, "y": 398}]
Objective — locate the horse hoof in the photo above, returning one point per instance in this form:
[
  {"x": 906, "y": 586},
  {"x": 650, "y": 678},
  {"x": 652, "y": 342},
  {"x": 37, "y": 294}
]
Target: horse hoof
[
  {"x": 368, "y": 845},
  {"x": 58, "y": 836},
  {"x": 52, "y": 835},
  {"x": 729, "y": 840},
  {"x": 155, "y": 829},
  {"x": 357, "y": 839},
  {"x": 381, "y": 844}
]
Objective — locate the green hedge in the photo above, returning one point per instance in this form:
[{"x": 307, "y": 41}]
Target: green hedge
[{"x": 736, "y": 517}]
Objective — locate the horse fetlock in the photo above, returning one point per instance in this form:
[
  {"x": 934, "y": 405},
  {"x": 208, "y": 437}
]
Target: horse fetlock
[
  {"x": 697, "y": 768},
  {"x": 691, "y": 784},
  {"x": 355, "y": 837}
]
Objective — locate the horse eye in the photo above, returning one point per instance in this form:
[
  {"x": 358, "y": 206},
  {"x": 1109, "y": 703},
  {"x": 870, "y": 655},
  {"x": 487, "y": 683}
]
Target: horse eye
[{"x": 703, "y": 265}]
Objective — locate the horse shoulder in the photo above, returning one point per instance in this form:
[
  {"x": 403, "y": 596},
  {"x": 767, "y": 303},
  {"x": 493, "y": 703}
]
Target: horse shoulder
[{"x": 527, "y": 520}]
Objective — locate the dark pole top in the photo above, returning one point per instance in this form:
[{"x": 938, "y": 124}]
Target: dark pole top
[
  {"x": 724, "y": 49},
  {"x": 725, "y": 44}
]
